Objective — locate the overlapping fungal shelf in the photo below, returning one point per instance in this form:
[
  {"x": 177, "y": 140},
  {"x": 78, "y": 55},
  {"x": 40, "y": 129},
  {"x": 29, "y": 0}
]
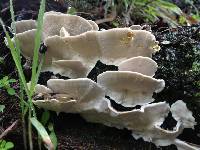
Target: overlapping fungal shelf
[{"x": 74, "y": 45}]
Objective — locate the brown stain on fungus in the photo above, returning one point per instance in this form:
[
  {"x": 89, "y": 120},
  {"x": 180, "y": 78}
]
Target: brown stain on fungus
[{"x": 128, "y": 38}]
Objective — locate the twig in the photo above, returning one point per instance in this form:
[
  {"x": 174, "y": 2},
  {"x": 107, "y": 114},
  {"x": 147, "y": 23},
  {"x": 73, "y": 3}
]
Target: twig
[
  {"x": 9, "y": 129},
  {"x": 109, "y": 19},
  {"x": 127, "y": 15},
  {"x": 85, "y": 13}
]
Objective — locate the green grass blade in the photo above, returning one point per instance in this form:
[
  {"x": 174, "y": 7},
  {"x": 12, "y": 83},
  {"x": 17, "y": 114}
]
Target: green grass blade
[
  {"x": 43, "y": 133},
  {"x": 45, "y": 117},
  {"x": 39, "y": 67},
  {"x": 12, "y": 15},
  {"x": 37, "y": 46},
  {"x": 15, "y": 58},
  {"x": 53, "y": 135},
  {"x": 14, "y": 28},
  {"x": 22, "y": 102}
]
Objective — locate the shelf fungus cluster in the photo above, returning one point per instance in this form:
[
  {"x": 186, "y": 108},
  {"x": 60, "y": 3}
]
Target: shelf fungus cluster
[{"x": 74, "y": 45}]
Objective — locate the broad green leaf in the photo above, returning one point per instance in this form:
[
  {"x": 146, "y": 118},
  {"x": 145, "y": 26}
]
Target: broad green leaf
[
  {"x": 71, "y": 11},
  {"x": 9, "y": 145},
  {"x": 182, "y": 20},
  {"x": 2, "y": 143},
  {"x": 12, "y": 80},
  {"x": 116, "y": 24},
  {"x": 1, "y": 60},
  {"x": 2, "y": 107},
  {"x": 197, "y": 94},
  {"x": 197, "y": 17},
  {"x": 11, "y": 91},
  {"x": 5, "y": 79},
  {"x": 170, "y": 6},
  {"x": 196, "y": 66},
  {"x": 1, "y": 84}
]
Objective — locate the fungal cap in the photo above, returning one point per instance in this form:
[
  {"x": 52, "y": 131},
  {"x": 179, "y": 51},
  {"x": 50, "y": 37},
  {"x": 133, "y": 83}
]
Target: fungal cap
[
  {"x": 69, "y": 68},
  {"x": 26, "y": 43},
  {"x": 24, "y": 25},
  {"x": 81, "y": 94},
  {"x": 129, "y": 88},
  {"x": 181, "y": 113},
  {"x": 143, "y": 65},
  {"x": 74, "y": 25}
]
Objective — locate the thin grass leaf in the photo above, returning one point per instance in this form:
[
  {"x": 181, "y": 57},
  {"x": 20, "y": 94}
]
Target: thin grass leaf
[
  {"x": 37, "y": 46},
  {"x": 45, "y": 117},
  {"x": 53, "y": 135},
  {"x": 16, "y": 59},
  {"x": 22, "y": 102},
  {"x": 12, "y": 16},
  {"x": 30, "y": 130},
  {"x": 43, "y": 133},
  {"x": 21, "y": 96},
  {"x": 39, "y": 67},
  {"x": 13, "y": 25}
]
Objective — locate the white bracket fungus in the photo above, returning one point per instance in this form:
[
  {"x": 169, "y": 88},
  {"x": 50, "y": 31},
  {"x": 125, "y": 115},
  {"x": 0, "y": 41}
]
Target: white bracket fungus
[
  {"x": 74, "y": 95},
  {"x": 70, "y": 37},
  {"x": 69, "y": 68},
  {"x": 143, "y": 65},
  {"x": 25, "y": 25},
  {"x": 129, "y": 88},
  {"x": 74, "y": 45},
  {"x": 181, "y": 113},
  {"x": 87, "y": 98},
  {"x": 26, "y": 41},
  {"x": 74, "y": 25}
]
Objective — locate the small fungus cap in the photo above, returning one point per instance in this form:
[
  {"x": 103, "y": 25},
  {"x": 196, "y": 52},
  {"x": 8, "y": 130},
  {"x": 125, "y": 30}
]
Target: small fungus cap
[
  {"x": 24, "y": 25},
  {"x": 75, "y": 25},
  {"x": 182, "y": 114},
  {"x": 129, "y": 88},
  {"x": 40, "y": 88},
  {"x": 79, "y": 93},
  {"x": 69, "y": 68},
  {"x": 143, "y": 65},
  {"x": 26, "y": 41},
  {"x": 94, "y": 25}
]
